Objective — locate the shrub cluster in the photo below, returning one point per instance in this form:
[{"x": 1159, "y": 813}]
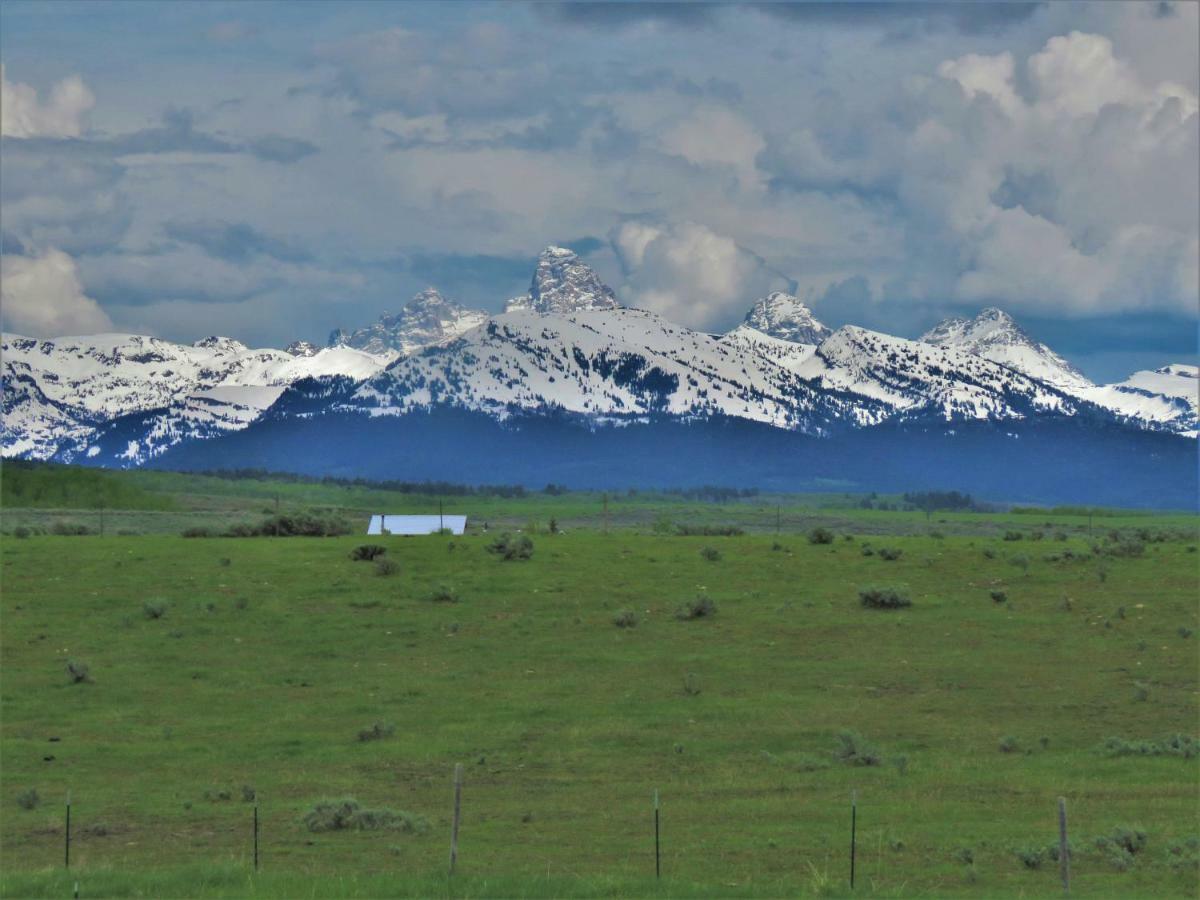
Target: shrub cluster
[
  {"x": 1169, "y": 745},
  {"x": 821, "y": 536},
  {"x": 625, "y": 618},
  {"x": 855, "y": 750},
  {"x": 348, "y": 815},
  {"x": 891, "y": 554},
  {"x": 509, "y": 546},
  {"x": 285, "y": 525},
  {"x": 377, "y": 731},
  {"x": 712, "y": 554},
  {"x": 884, "y": 597},
  {"x": 443, "y": 593},
  {"x": 707, "y": 530},
  {"x": 699, "y": 608},
  {"x": 367, "y": 552}
]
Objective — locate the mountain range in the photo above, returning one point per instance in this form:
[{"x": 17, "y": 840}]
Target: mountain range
[{"x": 567, "y": 355}]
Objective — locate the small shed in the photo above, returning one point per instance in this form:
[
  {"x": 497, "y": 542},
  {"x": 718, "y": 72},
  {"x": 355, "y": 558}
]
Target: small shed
[{"x": 417, "y": 524}]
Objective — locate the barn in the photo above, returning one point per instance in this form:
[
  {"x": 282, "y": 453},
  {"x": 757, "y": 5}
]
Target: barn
[{"x": 416, "y": 524}]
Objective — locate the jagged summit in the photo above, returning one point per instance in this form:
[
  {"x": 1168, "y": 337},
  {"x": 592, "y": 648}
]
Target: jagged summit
[
  {"x": 305, "y": 349},
  {"x": 563, "y": 283},
  {"x": 427, "y": 319},
  {"x": 784, "y": 316},
  {"x": 995, "y": 335}
]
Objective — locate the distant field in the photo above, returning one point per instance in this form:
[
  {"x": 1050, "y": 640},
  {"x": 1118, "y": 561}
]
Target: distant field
[{"x": 218, "y": 664}]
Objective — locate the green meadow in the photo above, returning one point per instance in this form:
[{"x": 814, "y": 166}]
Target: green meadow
[{"x": 1045, "y": 654}]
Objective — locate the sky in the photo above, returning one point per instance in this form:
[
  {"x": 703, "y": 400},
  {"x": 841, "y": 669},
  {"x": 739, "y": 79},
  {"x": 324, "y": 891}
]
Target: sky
[{"x": 272, "y": 171}]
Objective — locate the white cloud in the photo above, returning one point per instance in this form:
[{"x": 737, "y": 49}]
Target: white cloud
[
  {"x": 714, "y": 135},
  {"x": 64, "y": 114},
  {"x": 41, "y": 296},
  {"x": 687, "y": 272}
]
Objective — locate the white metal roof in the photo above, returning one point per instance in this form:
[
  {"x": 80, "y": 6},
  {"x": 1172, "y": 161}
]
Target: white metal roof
[{"x": 417, "y": 524}]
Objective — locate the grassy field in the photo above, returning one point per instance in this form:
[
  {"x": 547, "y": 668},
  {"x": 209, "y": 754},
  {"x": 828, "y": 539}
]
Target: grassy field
[{"x": 220, "y": 667}]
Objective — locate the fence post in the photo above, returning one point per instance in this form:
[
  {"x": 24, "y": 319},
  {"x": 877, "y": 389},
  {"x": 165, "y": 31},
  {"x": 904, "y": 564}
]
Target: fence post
[
  {"x": 457, "y": 808},
  {"x": 1064, "y": 847},
  {"x": 657, "y": 852},
  {"x": 67, "y": 852},
  {"x": 853, "y": 832}
]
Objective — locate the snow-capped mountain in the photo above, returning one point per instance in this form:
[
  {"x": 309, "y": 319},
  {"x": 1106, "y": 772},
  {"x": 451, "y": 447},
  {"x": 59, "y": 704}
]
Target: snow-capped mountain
[
  {"x": 1163, "y": 399},
  {"x": 785, "y": 316},
  {"x": 911, "y": 378},
  {"x": 427, "y": 319},
  {"x": 567, "y": 347},
  {"x": 563, "y": 283},
  {"x": 58, "y": 393},
  {"x": 605, "y": 364},
  {"x": 994, "y": 335},
  {"x": 1169, "y": 397},
  {"x": 780, "y": 327}
]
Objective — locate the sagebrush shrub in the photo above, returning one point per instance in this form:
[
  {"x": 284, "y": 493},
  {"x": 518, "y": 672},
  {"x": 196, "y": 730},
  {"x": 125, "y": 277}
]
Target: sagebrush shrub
[
  {"x": 999, "y": 596},
  {"x": 154, "y": 609},
  {"x": 196, "y": 531},
  {"x": 28, "y": 799},
  {"x": 855, "y": 750},
  {"x": 348, "y": 815},
  {"x": 712, "y": 554},
  {"x": 821, "y": 536},
  {"x": 511, "y": 547},
  {"x": 700, "y": 607},
  {"x": 1013, "y": 535},
  {"x": 875, "y": 597},
  {"x": 443, "y": 593},
  {"x": 367, "y": 552},
  {"x": 377, "y": 731},
  {"x": 625, "y": 618},
  {"x": 891, "y": 554},
  {"x": 78, "y": 671},
  {"x": 1008, "y": 744},
  {"x": 386, "y": 567}
]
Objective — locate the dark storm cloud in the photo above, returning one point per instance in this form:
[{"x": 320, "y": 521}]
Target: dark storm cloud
[
  {"x": 621, "y": 15},
  {"x": 967, "y": 17},
  {"x": 233, "y": 241}
]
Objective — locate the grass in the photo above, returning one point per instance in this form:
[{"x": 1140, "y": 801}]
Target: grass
[{"x": 266, "y": 669}]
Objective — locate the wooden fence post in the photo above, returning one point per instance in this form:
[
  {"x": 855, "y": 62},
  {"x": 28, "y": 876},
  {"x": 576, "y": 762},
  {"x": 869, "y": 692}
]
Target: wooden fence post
[
  {"x": 457, "y": 808},
  {"x": 1064, "y": 847}
]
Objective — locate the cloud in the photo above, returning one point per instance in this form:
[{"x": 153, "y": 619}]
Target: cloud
[
  {"x": 689, "y": 273},
  {"x": 714, "y": 135},
  {"x": 41, "y": 296},
  {"x": 280, "y": 149},
  {"x": 626, "y": 15},
  {"x": 189, "y": 273},
  {"x": 64, "y": 114},
  {"x": 964, "y": 17},
  {"x": 233, "y": 241},
  {"x": 63, "y": 193}
]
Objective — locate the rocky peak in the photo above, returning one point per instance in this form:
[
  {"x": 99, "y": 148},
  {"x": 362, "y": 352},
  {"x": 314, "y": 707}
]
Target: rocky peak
[
  {"x": 302, "y": 348},
  {"x": 563, "y": 283},
  {"x": 995, "y": 335},
  {"x": 428, "y": 318},
  {"x": 785, "y": 316}
]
